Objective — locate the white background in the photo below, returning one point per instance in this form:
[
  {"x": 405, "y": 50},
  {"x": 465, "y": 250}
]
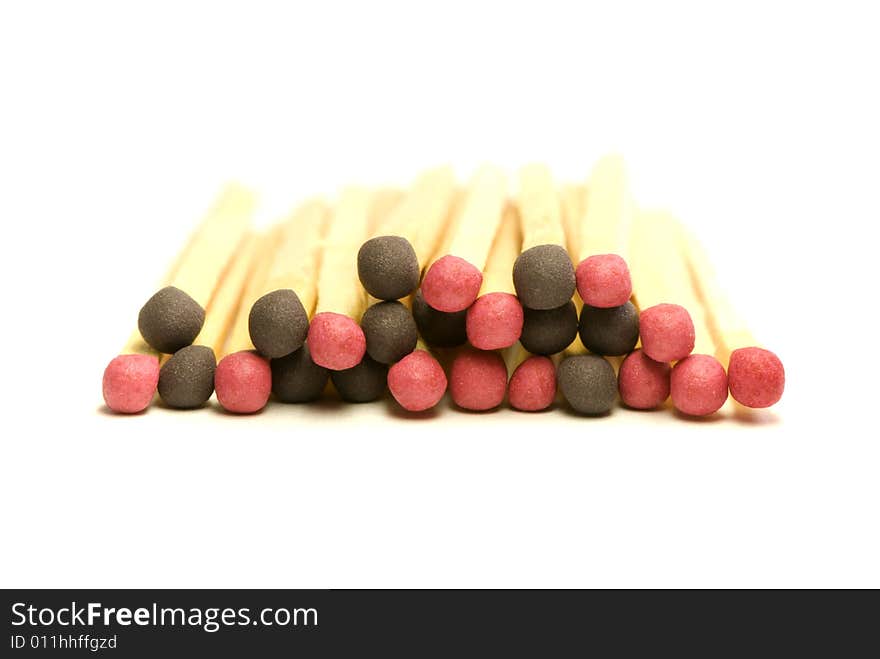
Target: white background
[{"x": 757, "y": 124}]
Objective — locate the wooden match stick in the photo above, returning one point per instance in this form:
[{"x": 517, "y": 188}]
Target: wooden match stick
[
  {"x": 532, "y": 379},
  {"x": 453, "y": 282},
  {"x": 336, "y": 341},
  {"x": 278, "y": 320},
  {"x": 495, "y": 319},
  {"x": 756, "y": 375},
  {"x": 401, "y": 244},
  {"x": 543, "y": 273},
  {"x": 173, "y": 317},
  {"x": 673, "y": 322},
  {"x": 603, "y": 279}
]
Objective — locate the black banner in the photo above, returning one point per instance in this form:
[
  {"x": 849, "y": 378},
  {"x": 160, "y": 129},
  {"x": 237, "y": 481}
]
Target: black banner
[{"x": 316, "y": 623}]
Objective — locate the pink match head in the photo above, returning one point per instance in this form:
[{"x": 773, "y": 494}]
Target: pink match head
[
  {"x": 643, "y": 383},
  {"x": 757, "y": 377},
  {"x": 494, "y": 321},
  {"x": 243, "y": 382},
  {"x": 130, "y": 382},
  {"x": 698, "y": 385},
  {"x": 336, "y": 341},
  {"x": 667, "y": 332},
  {"x": 417, "y": 381},
  {"x": 477, "y": 379},
  {"x": 603, "y": 281},
  {"x": 451, "y": 284},
  {"x": 532, "y": 386}
]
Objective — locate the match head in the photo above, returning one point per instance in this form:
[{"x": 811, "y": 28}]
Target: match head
[
  {"x": 756, "y": 377},
  {"x": 438, "y": 328},
  {"x": 643, "y": 383},
  {"x": 129, "y": 383},
  {"x": 610, "y": 331},
  {"x": 296, "y": 378},
  {"x": 363, "y": 383},
  {"x": 186, "y": 380},
  {"x": 546, "y": 332},
  {"x": 532, "y": 386},
  {"x": 477, "y": 379},
  {"x": 698, "y": 385},
  {"x": 494, "y": 321},
  {"x": 170, "y": 320},
  {"x": 390, "y": 332},
  {"x": 604, "y": 281},
  {"x": 336, "y": 341},
  {"x": 667, "y": 332},
  {"x": 278, "y": 323},
  {"x": 417, "y": 381},
  {"x": 451, "y": 284},
  {"x": 544, "y": 277},
  {"x": 243, "y": 382},
  {"x": 388, "y": 267},
  {"x": 588, "y": 383}
]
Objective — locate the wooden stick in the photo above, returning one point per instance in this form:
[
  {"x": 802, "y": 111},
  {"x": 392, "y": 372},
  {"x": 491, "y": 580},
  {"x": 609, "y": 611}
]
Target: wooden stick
[
  {"x": 574, "y": 199},
  {"x": 540, "y": 209},
  {"x": 498, "y": 271},
  {"x": 605, "y": 224}
]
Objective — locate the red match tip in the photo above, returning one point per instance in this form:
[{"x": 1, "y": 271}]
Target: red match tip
[
  {"x": 451, "y": 284},
  {"x": 667, "y": 332},
  {"x": 130, "y": 382},
  {"x": 698, "y": 385},
  {"x": 478, "y": 380},
  {"x": 243, "y": 382},
  {"x": 532, "y": 386},
  {"x": 417, "y": 381},
  {"x": 757, "y": 377},
  {"x": 603, "y": 281},
  {"x": 642, "y": 382},
  {"x": 336, "y": 341},
  {"x": 494, "y": 321}
]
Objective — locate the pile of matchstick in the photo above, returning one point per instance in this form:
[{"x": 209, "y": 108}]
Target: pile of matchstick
[{"x": 520, "y": 290}]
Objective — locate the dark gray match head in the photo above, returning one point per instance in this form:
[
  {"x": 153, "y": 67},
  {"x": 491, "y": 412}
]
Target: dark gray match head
[
  {"x": 186, "y": 380},
  {"x": 363, "y": 383},
  {"x": 170, "y": 320},
  {"x": 544, "y": 277},
  {"x": 278, "y": 323},
  {"x": 440, "y": 328},
  {"x": 548, "y": 331},
  {"x": 588, "y": 383},
  {"x": 611, "y": 331},
  {"x": 388, "y": 267},
  {"x": 390, "y": 331},
  {"x": 296, "y": 378}
]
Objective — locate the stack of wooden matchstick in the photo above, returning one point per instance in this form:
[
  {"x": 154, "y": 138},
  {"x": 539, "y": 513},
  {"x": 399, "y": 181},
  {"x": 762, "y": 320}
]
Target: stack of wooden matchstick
[{"x": 525, "y": 290}]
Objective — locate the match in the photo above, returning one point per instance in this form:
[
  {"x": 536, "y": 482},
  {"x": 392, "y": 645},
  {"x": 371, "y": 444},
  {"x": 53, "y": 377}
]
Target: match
[{"x": 417, "y": 382}]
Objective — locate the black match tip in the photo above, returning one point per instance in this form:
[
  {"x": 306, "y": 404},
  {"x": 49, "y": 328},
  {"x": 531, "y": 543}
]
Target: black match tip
[
  {"x": 186, "y": 380},
  {"x": 544, "y": 277},
  {"x": 611, "y": 331},
  {"x": 296, "y": 378},
  {"x": 441, "y": 329},
  {"x": 588, "y": 383},
  {"x": 278, "y": 323},
  {"x": 388, "y": 267},
  {"x": 548, "y": 331},
  {"x": 363, "y": 383},
  {"x": 170, "y": 320},
  {"x": 390, "y": 331}
]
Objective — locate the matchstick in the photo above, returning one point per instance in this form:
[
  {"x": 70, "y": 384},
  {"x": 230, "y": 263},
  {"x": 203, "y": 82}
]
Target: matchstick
[
  {"x": 495, "y": 319},
  {"x": 390, "y": 262},
  {"x": 477, "y": 379},
  {"x": 453, "y": 282},
  {"x": 603, "y": 278},
  {"x": 417, "y": 382},
  {"x": 756, "y": 376},
  {"x": 532, "y": 383},
  {"x": 174, "y": 316},
  {"x": 278, "y": 321},
  {"x": 543, "y": 273},
  {"x": 336, "y": 341},
  {"x": 672, "y": 322}
]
